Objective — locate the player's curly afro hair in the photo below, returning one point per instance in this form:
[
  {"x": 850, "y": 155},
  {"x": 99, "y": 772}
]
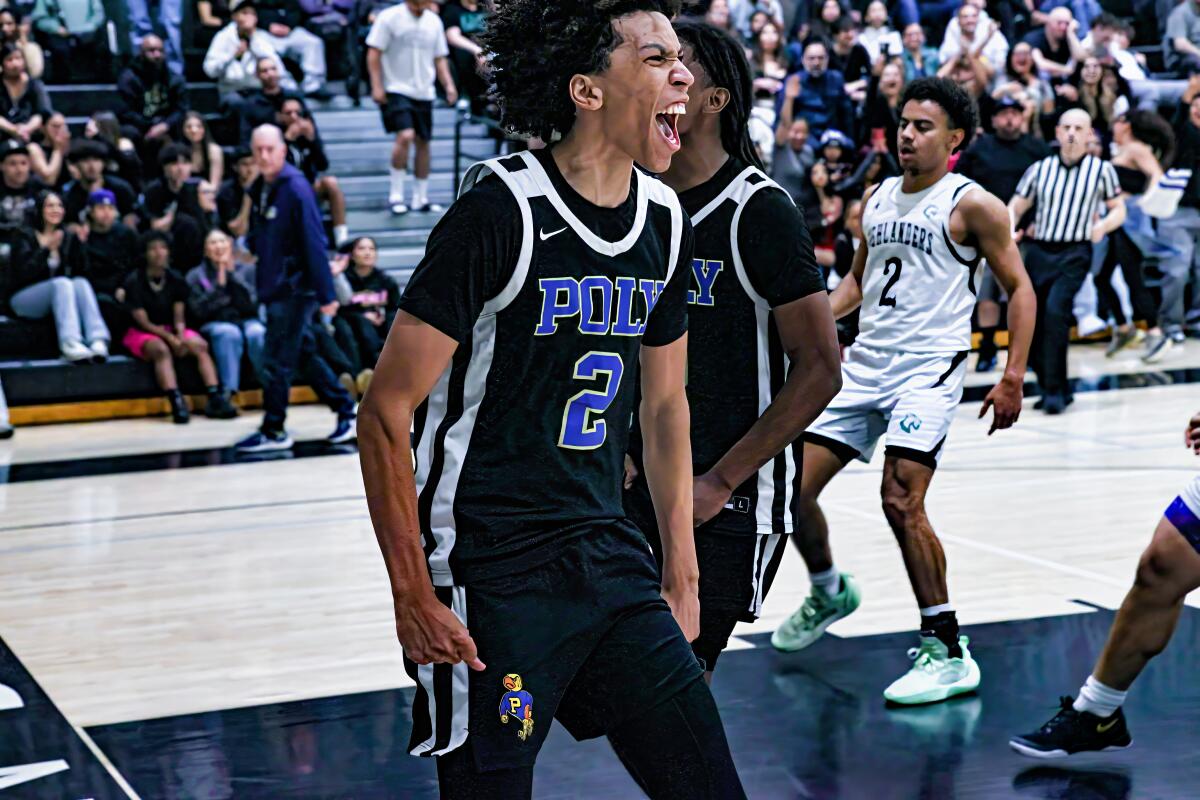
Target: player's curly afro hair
[
  {"x": 536, "y": 46},
  {"x": 952, "y": 98}
]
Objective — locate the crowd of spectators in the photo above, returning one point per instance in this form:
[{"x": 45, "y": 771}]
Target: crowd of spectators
[{"x": 108, "y": 206}]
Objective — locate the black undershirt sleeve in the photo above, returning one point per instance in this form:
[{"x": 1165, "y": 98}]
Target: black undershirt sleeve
[
  {"x": 668, "y": 320},
  {"x": 777, "y": 250},
  {"x": 470, "y": 256}
]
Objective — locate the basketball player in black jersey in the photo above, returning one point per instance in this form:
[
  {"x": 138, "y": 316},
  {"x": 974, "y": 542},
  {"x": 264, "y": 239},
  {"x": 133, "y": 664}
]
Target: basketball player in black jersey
[
  {"x": 762, "y": 346},
  {"x": 555, "y": 283}
]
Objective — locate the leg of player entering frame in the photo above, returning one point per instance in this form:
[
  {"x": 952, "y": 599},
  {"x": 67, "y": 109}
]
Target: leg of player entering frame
[{"x": 834, "y": 595}]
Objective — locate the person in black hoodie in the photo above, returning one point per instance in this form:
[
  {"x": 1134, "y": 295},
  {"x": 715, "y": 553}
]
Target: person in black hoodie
[
  {"x": 172, "y": 203},
  {"x": 369, "y": 300},
  {"x": 157, "y": 298},
  {"x": 307, "y": 154},
  {"x": 109, "y": 252},
  {"x": 222, "y": 303},
  {"x": 154, "y": 99}
]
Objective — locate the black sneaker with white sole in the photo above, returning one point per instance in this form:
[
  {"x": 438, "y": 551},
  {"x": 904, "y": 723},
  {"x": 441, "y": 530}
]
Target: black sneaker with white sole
[{"x": 1071, "y": 732}]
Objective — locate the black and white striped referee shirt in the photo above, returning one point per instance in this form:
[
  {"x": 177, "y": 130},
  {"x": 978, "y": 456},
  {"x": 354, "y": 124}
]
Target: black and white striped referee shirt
[{"x": 1066, "y": 199}]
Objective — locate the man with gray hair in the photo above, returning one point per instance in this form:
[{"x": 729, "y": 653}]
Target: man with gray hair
[{"x": 294, "y": 280}]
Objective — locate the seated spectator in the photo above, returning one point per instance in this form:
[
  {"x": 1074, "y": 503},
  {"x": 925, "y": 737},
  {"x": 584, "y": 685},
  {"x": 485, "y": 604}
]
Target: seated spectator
[
  {"x": 819, "y": 28},
  {"x": 1084, "y": 12},
  {"x": 1181, "y": 42},
  {"x": 24, "y": 103},
  {"x": 52, "y": 284},
  {"x": 850, "y": 58},
  {"x": 1098, "y": 90},
  {"x": 172, "y": 203},
  {"x": 157, "y": 299},
  {"x": 368, "y": 308},
  {"x": 877, "y": 37},
  {"x": 19, "y": 190},
  {"x": 222, "y": 303},
  {"x": 232, "y": 58},
  {"x": 465, "y": 21},
  {"x": 121, "y": 157},
  {"x": 233, "y": 199},
  {"x": 153, "y": 98},
  {"x": 1056, "y": 48},
  {"x": 90, "y": 158},
  {"x": 260, "y": 106},
  {"x": 74, "y": 34},
  {"x": 208, "y": 160},
  {"x": 792, "y": 159},
  {"x": 846, "y": 244},
  {"x": 836, "y": 152},
  {"x": 281, "y": 18},
  {"x": 978, "y": 40},
  {"x": 12, "y": 31},
  {"x": 973, "y": 74},
  {"x": 718, "y": 15},
  {"x": 110, "y": 253},
  {"x": 817, "y": 93},
  {"x": 307, "y": 153},
  {"x": 48, "y": 151},
  {"x": 919, "y": 61},
  {"x": 742, "y": 10},
  {"x": 1023, "y": 85},
  {"x": 1108, "y": 41},
  {"x": 169, "y": 22},
  {"x": 822, "y": 210},
  {"x": 768, "y": 60}
]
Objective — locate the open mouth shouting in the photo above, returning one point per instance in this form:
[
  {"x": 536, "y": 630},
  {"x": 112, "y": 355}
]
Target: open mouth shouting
[{"x": 667, "y": 122}]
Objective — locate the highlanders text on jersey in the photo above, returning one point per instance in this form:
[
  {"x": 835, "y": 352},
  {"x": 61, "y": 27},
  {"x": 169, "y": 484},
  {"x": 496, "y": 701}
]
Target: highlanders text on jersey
[
  {"x": 919, "y": 285},
  {"x": 550, "y": 297}
]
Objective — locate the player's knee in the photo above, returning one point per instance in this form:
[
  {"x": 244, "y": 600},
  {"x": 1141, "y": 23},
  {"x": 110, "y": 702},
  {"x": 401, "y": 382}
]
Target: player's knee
[
  {"x": 900, "y": 506},
  {"x": 1156, "y": 572}
]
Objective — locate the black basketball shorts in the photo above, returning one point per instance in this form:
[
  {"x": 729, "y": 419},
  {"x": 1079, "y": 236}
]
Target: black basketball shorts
[
  {"x": 585, "y": 639},
  {"x": 402, "y": 113}
]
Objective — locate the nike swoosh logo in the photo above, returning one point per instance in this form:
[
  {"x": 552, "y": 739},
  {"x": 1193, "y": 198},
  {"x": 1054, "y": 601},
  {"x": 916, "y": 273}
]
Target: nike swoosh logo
[
  {"x": 1102, "y": 728},
  {"x": 546, "y": 236}
]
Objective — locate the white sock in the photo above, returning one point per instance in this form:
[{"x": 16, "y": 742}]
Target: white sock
[
  {"x": 396, "y": 192},
  {"x": 420, "y": 192},
  {"x": 933, "y": 611},
  {"x": 340, "y": 234},
  {"x": 828, "y": 581},
  {"x": 1096, "y": 698}
]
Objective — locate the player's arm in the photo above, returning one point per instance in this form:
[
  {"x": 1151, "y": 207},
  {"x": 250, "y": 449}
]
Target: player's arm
[
  {"x": 988, "y": 220},
  {"x": 1017, "y": 208},
  {"x": 848, "y": 294}
]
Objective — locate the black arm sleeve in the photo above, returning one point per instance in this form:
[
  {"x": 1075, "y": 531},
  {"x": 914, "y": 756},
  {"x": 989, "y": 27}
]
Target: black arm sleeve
[
  {"x": 777, "y": 249},
  {"x": 668, "y": 320},
  {"x": 470, "y": 256}
]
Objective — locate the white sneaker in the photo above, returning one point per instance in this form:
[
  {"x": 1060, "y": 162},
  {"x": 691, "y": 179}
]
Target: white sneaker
[
  {"x": 1089, "y": 325},
  {"x": 76, "y": 351},
  {"x": 935, "y": 676},
  {"x": 99, "y": 350}
]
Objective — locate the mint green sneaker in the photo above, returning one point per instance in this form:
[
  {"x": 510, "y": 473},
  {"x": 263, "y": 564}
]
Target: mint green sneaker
[
  {"x": 935, "y": 676},
  {"x": 819, "y": 611}
]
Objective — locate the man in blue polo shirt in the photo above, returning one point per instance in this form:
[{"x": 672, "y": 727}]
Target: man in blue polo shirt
[{"x": 294, "y": 280}]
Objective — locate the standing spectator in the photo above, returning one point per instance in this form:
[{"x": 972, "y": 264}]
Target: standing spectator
[
  {"x": 792, "y": 159},
  {"x": 1098, "y": 90},
  {"x": 817, "y": 93},
  {"x": 742, "y": 11},
  {"x": 307, "y": 153},
  {"x": 1181, "y": 43},
  {"x": 1056, "y": 48},
  {"x": 261, "y": 105},
  {"x": 24, "y": 103},
  {"x": 232, "y": 58},
  {"x": 48, "y": 152},
  {"x": 282, "y": 19},
  {"x": 49, "y": 284},
  {"x": 13, "y": 32},
  {"x": 878, "y": 37},
  {"x": 465, "y": 21},
  {"x": 768, "y": 60},
  {"x": 110, "y": 248},
  {"x": 18, "y": 189},
  {"x": 370, "y": 308},
  {"x": 881, "y": 114},
  {"x": 996, "y": 161},
  {"x": 233, "y": 199},
  {"x": 293, "y": 281},
  {"x": 976, "y": 39},
  {"x": 1181, "y": 230},
  {"x": 172, "y": 203},
  {"x": 157, "y": 299},
  {"x": 406, "y": 48},
  {"x": 1066, "y": 191},
  {"x": 222, "y": 303},
  {"x": 1022, "y": 83},
  {"x": 170, "y": 20},
  {"x": 850, "y": 58},
  {"x": 120, "y": 156},
  {"x": 208, "y": 160},
  {"x": 919, "y": 61},
  {"x": 153, "y": 98},
  {"x": 73, "y": 31}
]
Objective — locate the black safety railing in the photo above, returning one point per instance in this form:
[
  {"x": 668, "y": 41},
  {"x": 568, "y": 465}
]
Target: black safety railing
[{"x": 498, "y": 144}]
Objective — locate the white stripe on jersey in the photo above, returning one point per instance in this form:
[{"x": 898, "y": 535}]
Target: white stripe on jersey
[{"x": 457, "y": 698}]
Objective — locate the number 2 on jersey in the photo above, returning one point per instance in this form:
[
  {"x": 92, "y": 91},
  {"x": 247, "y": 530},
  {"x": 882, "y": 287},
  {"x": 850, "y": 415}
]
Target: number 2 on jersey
[
  {"x": 580, "y": 430},
  {"x": 888, "y": 266}
]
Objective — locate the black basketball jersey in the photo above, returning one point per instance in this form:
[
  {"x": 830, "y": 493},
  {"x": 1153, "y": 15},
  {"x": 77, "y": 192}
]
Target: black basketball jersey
[
  {"x": 522, "y": 440},
  {"x": 753, "y": 253}
]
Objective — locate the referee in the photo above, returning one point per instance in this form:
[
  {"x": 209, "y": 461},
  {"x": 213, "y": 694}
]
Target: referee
[
  {"x": 294, "y": 280},
  {"x": 1066, "y": 189}
]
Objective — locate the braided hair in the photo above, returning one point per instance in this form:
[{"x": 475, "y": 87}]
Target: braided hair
[{"x": 724, "y": 61}]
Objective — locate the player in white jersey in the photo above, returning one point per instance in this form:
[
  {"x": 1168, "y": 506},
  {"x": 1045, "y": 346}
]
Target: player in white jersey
[{"x": 914, "y": 277}]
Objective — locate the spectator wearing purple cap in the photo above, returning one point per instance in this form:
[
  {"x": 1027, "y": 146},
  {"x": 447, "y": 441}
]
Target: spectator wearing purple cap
[{"x": 111, "y": 247}]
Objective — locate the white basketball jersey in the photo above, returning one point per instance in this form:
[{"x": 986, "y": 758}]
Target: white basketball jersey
[{"x": 918, "y": 285}]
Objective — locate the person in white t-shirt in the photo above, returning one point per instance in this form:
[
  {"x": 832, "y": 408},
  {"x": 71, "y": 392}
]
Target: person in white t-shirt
[
  {"x": 877, "y": 36},
  {"x": 976, "y": 38},
  {"x": 406, "y": 52}
]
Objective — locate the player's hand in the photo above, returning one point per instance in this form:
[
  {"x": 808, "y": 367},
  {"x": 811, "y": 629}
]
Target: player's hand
[
  {"x": 709, "y": 496},
  {"x": 431, "y": 633},
  {"x": 379, "y": 95},
  {"x": 631, "y": 472},
  {"x": 1191, "y": 437},
  {"x": 684, "y": 601},
  {"x": 1005, "y": 401}
]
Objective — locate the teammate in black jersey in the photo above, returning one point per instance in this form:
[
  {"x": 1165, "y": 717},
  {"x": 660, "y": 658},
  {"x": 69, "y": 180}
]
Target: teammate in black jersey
[
  {"x": 762, "y": 346},
  {"x": 514, "y": 357}
]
